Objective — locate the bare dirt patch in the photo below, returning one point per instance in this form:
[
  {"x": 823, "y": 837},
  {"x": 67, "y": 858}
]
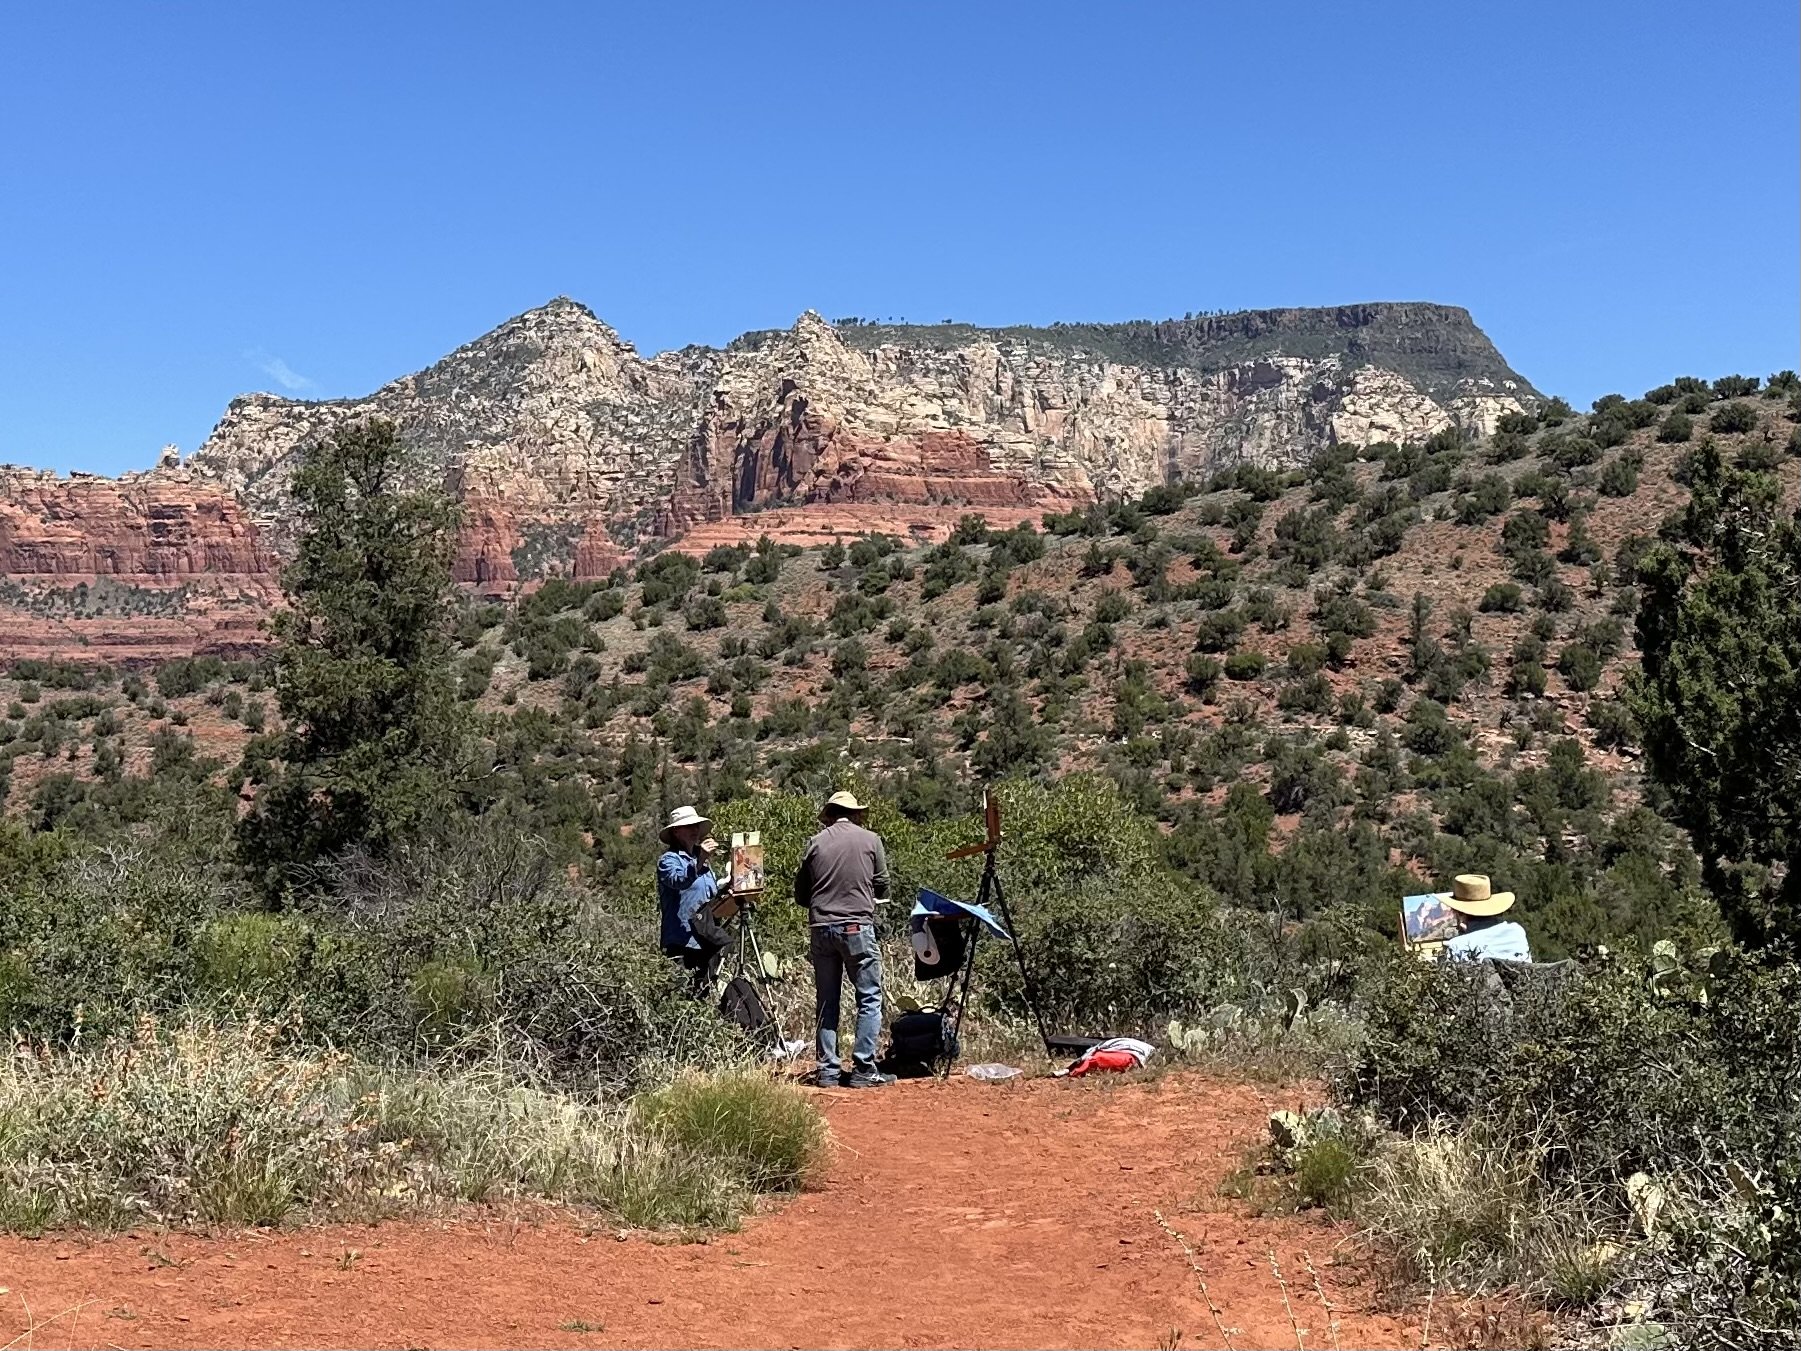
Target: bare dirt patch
[{"x": 959, "y": 1214}]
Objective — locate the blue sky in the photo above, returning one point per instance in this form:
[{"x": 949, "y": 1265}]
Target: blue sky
[{"x": 202, "y": 199}]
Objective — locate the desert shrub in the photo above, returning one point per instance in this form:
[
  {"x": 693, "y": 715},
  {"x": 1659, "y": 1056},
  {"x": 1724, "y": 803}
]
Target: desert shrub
[
  {"x": 1502, "y": 598},
  {"x": 1548, "y": 1106},
  {"x": 1571, "y": 1057},
  {"x": 1162, "y": 498},
  {"x": 1310, "y": 694},
  {"x": 1676, "y": 428},
  {"x": 704, "y": 612},
  {"x": 1218, "y": 630},
  {"x": 1114, "y": 940},
  {"x": 1524, "y": 531},
  {"x": 1554, "y": 596},
  {"x": 1733, "y": 419},
  {"x": 1613, "y": 724},
  {"x": 1307, "y": 536},
  {"x": 1325, "y": 1174},
  {"x": 1572, "y": 452},
  {"x": 1735, "y": 386},
  {"x": 1488, "y": 496},
  {"x": 187, "y": 675},
  {"x": 1579, "y": 546},
  {"x": 1620, "y": 477},
  {"x": 1203, "y": 674},
  {"x": 1580, "y": 666},
  {"x": 1112, "y": 607},
  {"x": 412, "y": 954},
  {"x": 1388, "y": 694},
  {"x": 1246, "y": 665},
  {"x": 1761, "y": 457},
  {"x": 668, "y": 578}
]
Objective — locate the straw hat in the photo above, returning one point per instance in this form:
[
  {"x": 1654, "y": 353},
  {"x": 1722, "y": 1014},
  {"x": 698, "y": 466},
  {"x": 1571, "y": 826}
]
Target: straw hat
[
  {"x": 843, "y": 802},
  {"x": 1470, "y": 896},
  {"x": 682, "y": 816}
]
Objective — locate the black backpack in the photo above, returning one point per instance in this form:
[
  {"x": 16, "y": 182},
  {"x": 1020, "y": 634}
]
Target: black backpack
[
  {"x": 919, "y": 1042},
  {"x": 742, "y": 1006}
]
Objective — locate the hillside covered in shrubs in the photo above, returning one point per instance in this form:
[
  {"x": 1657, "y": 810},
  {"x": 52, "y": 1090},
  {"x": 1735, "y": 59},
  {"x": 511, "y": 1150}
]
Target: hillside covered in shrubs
[{"x": 1232, "y": 723}]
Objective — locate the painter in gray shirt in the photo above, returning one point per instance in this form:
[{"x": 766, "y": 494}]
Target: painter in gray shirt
[{"x": 843, "y": 873}]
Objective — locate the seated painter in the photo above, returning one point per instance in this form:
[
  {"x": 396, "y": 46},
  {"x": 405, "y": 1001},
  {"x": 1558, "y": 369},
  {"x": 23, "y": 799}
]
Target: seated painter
[{"x": 1481, "y": 932}]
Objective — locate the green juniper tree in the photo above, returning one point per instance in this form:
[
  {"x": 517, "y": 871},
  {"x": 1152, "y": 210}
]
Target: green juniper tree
[
  {"x": 1719, "y": 701},
  {"x": 371, "y": 727}
]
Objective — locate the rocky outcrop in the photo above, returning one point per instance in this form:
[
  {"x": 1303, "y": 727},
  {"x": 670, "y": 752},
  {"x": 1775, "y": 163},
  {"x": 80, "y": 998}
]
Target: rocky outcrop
[
  {"x": 158, "y": 529},
  {"x": 569, "y": 450},
  {"x": 145, "y": 566}
]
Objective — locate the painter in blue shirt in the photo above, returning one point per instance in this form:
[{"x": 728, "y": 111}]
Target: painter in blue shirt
[
  {"x": 1483, "y": 933},
  {"x": 686, "y": 889}
]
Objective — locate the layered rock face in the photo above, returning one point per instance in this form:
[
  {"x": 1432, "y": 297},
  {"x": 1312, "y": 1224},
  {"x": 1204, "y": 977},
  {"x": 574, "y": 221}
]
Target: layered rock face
[
  {"x": 568, "y": 449},
  {"x": 145, "y": 565}
]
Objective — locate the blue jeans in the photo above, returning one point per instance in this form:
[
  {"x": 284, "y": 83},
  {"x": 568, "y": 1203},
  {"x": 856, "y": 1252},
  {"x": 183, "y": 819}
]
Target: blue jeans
[{"x": 837, "y": 950}]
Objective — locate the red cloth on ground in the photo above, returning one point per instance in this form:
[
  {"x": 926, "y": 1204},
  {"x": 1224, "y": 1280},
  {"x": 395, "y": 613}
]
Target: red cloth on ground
[{"x": 1104, "y": 1060}]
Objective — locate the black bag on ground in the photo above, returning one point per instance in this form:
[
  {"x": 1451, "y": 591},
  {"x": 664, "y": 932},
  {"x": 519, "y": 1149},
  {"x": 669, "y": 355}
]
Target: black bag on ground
[
  {"x": 918, "y": 1041},
  {"x": 742, "y": 1005}
]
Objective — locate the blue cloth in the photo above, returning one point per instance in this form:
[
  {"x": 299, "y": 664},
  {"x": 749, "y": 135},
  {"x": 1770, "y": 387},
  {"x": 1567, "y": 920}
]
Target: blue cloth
[
  {"x": 837, "y": 951},
  {"x": 931, "y": 903},
  {"x": 676, "y": 874},
  {"x": 703, "y": 890},
  {"x": 1505, "y": 942}
]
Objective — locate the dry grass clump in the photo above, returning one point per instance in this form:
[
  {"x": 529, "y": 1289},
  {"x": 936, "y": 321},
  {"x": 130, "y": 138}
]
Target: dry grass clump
[
  {"x": 1469, "y": 1209},
  {"x": 215, "y": 1123}
]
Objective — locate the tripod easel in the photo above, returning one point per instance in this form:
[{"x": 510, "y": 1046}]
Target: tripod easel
[{"x": 991, "y": 897}]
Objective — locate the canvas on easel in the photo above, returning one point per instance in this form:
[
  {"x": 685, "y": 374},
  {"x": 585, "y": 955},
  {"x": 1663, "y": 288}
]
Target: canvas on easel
[
  {"x": 746, "y": 875},
  {"x": 1427, "y": 923}
]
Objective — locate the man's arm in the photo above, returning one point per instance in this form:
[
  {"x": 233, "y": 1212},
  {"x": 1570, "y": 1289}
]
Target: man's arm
[
  {"x": 803, "y": 877},
  {"x": 880, "y": 883}
]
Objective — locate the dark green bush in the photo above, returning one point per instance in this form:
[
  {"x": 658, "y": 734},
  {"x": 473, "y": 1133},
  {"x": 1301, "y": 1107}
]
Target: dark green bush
[
  {"x": 1247, "y": 665},
  {"x": 1733, "y": 419},
  {"x": 1502, "y": 598}
]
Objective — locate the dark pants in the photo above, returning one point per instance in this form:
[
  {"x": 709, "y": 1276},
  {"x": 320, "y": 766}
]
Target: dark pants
[
  {"x": 699, "y": 967},
  {"x": 839, "y": 950}
]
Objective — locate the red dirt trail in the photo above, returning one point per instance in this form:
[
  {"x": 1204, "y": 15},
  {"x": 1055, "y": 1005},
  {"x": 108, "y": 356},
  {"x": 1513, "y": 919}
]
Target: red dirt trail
[{"x": 960, "y": 1214}]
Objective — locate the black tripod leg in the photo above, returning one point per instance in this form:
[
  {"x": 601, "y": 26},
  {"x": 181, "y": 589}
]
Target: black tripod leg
[
  {"x": 991, "y": 885},
  {"x": 968, "y": 973},
  {"x": 748, "y": 948}
]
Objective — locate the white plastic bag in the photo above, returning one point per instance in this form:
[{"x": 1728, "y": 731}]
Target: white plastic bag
[{"x": 992, "y": 1073}]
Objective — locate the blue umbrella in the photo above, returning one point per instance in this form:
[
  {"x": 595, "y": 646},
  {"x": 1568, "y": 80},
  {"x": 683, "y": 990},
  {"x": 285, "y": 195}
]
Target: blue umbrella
[{"x": 931, "y": 903}]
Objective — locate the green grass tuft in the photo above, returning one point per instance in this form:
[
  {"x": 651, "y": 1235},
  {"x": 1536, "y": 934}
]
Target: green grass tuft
[{"x": 767, "y": 1133}]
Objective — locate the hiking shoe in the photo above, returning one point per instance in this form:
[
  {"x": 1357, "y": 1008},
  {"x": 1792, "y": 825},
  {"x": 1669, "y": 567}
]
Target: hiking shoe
[
  {"x": 869, "y": 1080},
  {"x": 826, "y": 1079}
]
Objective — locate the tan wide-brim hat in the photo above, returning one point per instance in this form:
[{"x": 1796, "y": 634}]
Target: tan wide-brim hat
[
  {"x": 680, "y": 817},
  {"x": 1470, "y": 896},
  {"x": 842, "y": 802}
]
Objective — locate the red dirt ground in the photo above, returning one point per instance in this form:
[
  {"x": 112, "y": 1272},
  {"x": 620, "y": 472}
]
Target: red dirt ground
[{"x": 959, "y": 1214}]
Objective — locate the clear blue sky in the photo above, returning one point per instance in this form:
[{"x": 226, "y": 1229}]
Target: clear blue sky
[{"x": 202, "y": 199}]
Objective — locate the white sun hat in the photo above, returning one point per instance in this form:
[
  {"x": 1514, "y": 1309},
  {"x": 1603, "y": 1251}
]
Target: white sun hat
[{"x": 682, "y": 816}]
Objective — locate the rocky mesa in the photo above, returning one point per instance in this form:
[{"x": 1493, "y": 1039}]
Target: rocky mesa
[{"x": 569, "y": 450}]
